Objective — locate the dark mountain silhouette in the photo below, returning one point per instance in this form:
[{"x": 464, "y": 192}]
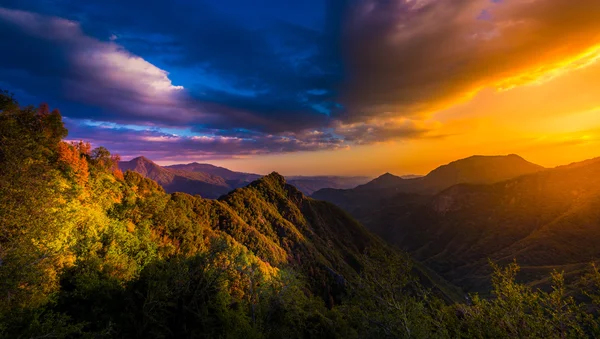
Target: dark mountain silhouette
[
  {"x": 545, "y": 220},
  {"x": 308, "y": 185},
  {"x": 384, "y": 181},
  {"x": 475, "y": 169},
  {"x": 411, "y": 176}
]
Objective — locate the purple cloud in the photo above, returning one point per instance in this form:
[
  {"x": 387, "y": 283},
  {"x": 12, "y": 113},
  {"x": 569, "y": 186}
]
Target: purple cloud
[{"x": 159, "y": 145}]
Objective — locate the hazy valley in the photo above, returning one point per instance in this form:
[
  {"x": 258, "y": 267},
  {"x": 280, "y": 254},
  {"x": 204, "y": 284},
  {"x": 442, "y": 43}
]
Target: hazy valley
[{"x": 212, "y": 182}]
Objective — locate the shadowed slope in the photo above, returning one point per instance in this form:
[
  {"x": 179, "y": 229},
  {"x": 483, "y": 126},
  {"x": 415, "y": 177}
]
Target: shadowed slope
[{"x": 547, "y": 219}]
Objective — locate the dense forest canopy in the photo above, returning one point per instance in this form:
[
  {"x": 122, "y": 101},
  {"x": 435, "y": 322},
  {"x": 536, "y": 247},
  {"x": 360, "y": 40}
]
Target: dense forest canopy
[{"x": 89, "y": 251}]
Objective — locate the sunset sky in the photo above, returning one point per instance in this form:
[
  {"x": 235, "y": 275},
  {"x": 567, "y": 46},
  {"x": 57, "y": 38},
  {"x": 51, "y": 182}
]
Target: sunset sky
[{"x": 347, "y": 87}]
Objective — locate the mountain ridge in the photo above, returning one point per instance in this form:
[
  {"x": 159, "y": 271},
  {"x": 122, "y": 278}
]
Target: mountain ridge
[
  {"x": 474, "y": 169},
  {"x": 212, "y": 181}
]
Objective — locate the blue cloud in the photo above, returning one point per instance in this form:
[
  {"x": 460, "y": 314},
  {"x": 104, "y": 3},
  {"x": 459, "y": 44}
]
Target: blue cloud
[{"x": 247, "y": 73}]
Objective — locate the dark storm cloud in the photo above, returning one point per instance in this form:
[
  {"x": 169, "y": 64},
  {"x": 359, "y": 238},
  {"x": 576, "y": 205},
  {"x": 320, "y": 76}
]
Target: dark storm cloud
[
  {"x": 54, "y": 55},
  {"x": 410, "y": 57}
]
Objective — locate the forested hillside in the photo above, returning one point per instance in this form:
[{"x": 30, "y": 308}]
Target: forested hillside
[
  {"x": 545, "y": 219},
  {"x": 89, "y": 251},
  {"x": 548, "y": 220}
]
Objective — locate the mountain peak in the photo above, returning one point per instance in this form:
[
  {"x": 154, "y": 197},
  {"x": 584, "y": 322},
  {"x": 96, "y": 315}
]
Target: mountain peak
[
  {"x": 490, "y": 158},
  {"x": 141, "y": 159},
  {"x": 383, "y": 181},
  {"x": 276, "y": 178},
  {"x": 387, "y": 175},
  {"x": 480, "y": 169}
]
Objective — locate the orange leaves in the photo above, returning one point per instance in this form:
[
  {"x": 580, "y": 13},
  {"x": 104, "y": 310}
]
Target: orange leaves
[
  {"x": 71, "y": 158},
  {"x": 116, "y": 171},
  {"x": 85, "y": 148},
  {"x": 118, "y": 174}
]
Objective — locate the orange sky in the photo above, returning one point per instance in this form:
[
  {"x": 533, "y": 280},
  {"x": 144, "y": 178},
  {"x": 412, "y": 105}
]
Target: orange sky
[{"x": 550, "y": 123}]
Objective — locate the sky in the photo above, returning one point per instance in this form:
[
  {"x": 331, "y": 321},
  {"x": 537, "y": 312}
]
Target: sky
[{"x": 336, "y": 87}]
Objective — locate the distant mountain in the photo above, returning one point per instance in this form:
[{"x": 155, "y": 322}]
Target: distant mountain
[
  {"x": 411, "y": 176},
  {"x": 308, "y": 185},
  {"x": 175, "y": 180},
  {"x": 384, "y": 181},
  {"x": 545, "y": 220},
  {"x": 222, "y": 172},
  {"x": 211, "y": 181},
  {"x": 475, "y": 169},
  {"x": 312, "y": 234},
  {"x": 148, "y": 169}
]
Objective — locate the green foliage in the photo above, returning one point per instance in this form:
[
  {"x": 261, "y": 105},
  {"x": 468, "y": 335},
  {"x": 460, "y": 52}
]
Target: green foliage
[
  {"x": 34, "y": 213},
  {"x": 389, "y": 303},
  {"x": 517, "y": 311}
]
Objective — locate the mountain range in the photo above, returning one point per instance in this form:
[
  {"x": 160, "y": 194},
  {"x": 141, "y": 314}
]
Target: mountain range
[
  {"x": 460, "y": 216},
  {"x": 362, "y": 200},
  {"x": 454, "y": 219},
  {"x": 211, "y": 181}
]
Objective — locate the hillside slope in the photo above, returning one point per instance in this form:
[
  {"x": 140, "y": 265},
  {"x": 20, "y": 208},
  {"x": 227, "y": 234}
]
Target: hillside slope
[
  {"x": 282, "y": 227},
  {"x": 544, "y": 220}
]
